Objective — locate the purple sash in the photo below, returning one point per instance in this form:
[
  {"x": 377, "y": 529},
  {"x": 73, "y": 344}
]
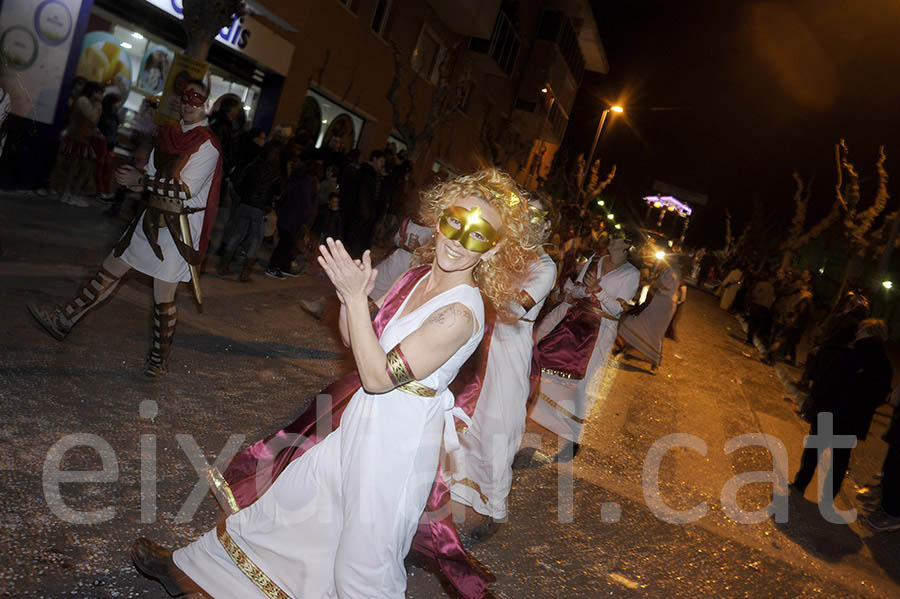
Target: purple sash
[{"x": 253, "y": 470}]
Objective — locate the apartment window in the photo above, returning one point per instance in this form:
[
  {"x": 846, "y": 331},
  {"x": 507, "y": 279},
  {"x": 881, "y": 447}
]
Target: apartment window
[
  {"x": 428, "y": 55},
  {"x": 379, "y": 19},
  {"x": 352, "y": 5}
]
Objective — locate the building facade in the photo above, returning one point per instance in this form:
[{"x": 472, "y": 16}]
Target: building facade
[{"x": 496, "y": 80}]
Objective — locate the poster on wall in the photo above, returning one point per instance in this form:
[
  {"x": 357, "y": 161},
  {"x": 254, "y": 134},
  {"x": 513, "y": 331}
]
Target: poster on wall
[
  {"x": 104, "y": 61},
  {"x": 183, "y": 69},
  {"x": 35, "y": 39},
  {"x": 154, "y": 69}
]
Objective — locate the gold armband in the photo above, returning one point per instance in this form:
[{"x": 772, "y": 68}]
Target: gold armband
[{"x": 398, "y": 369}]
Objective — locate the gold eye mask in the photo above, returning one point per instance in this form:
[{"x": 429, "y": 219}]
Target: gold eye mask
[{"x": 469, "y": 228}]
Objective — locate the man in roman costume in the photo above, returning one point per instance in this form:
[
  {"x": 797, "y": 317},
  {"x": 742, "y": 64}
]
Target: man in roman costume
[
  {"x": 181, "y": 187},
  {"x": 575, "y": 341}
]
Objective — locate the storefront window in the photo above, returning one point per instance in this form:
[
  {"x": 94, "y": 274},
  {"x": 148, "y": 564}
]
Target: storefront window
[
  {"x": 150, "y": 59},
  {"x": 340, "y": 127}
]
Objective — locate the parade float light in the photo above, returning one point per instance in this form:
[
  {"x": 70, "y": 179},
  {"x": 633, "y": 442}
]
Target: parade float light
[
  {"x": 670, "y": 203},
  {"x": 887, "y": 284}
]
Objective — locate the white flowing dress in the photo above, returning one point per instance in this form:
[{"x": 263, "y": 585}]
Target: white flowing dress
[
  {"x": 197, "y": 174},
  {"x": 481, "y": 471},
  {"x": 340, "y": 519},
  {"x": 564, "y": 404},
  {"x": 645, "y": 332}
]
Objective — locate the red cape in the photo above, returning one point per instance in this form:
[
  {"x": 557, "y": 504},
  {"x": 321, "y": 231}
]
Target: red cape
[{"x": 172, "y": 140}]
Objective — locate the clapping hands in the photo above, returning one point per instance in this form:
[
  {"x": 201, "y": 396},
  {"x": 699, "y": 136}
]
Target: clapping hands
[{"x": 351, "y": 278}]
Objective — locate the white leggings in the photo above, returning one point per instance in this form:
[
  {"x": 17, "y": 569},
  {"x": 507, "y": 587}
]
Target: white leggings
[{"x": 163, "y": 291}]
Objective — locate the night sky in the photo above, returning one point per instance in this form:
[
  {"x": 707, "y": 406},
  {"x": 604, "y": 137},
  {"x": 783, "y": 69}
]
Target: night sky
[{"x": 728, "y": 97}]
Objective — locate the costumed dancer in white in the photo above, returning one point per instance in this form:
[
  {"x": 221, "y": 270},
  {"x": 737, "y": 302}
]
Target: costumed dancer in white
[
  {"x": 645, "y": 331},
  {"x": 181, "y": 191},
  {"x": 338, "y": 521},
  {"x": 572, "y": 367},
  {"x": 481, "y": 472}
]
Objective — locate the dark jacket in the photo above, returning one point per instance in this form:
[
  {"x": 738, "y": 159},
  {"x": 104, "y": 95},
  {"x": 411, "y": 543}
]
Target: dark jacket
[
  {"x": 299, "y": 203},
  {"x": 258, "y": 184},
  {"x": 854, "y": 382}
]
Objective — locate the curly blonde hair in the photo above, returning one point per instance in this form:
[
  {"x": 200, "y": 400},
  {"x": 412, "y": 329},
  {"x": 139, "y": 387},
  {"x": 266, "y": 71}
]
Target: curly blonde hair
[{"x": 499, "y": 278}]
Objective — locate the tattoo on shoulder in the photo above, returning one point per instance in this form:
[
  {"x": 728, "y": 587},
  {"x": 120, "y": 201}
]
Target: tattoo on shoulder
[{"x": 448, "y": 316}]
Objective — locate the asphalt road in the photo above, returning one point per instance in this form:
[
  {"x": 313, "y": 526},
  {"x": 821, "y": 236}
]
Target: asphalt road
[{"x": 252, "y": 360}]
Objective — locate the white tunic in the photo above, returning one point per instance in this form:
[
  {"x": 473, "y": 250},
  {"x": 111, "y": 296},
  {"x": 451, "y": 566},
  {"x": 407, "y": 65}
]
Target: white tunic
[
  {"x": 340, "y": 519},
  {"x": 197, "y": 174},
  {"x": 564, "y": 404},
  {"x": 481, "y": 471},
  {"x": 645, "y": 331},
  {"x": 410, "y": 235}
]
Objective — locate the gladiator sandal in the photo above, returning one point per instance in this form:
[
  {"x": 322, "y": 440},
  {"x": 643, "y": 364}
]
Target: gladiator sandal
[
  {"x": 59, "y": 321},
  {"x": 164, "y": 319}
]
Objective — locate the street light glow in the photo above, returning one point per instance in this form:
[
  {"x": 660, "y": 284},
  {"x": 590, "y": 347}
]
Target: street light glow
[
  {"x": 618, "y": 226},
  {"x": 887, "y": 284},
  {"x": 617, "y": 108},
  {"x": 610, "y": 216},
  {"x": 660, "y": 255},
  {"x": 601, "y": 203}
]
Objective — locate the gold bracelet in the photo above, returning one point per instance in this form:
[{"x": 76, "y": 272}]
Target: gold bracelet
[{"x": 398, "y": 369}]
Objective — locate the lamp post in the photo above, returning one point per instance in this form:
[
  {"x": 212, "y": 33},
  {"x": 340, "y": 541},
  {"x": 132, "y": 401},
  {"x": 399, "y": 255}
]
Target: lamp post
[{"x": 617, "y": 109}]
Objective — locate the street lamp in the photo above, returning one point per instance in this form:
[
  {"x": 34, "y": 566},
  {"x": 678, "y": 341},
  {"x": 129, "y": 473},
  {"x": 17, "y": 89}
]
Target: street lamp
[
  {"x": 887, "y": 284},
  {"x": 618, "y": 110}
]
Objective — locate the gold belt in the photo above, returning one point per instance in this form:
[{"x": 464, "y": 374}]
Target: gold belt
[{"x": 417, "y": 388}]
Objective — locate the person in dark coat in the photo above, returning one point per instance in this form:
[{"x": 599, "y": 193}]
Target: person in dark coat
[
  {"x": 836, "y": 332},
  {"x": 886, "y": 516},
  {"x": 348, "y": 187},
  {"x": 257, "y": 186},
  {"x": 851, "y": 386},
  {"x": 371, "y": 199},
  {"x": 296, "y": 212}
]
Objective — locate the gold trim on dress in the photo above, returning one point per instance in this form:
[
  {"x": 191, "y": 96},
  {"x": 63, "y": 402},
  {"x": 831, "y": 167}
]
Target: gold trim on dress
[
  {"x": 468, "y": 482},
  {"x": 561, "y": 374},
  {"x": 269, "y": 588},
  {"x": 221, "y": 490},
  {"x": 561, "y": 409}
]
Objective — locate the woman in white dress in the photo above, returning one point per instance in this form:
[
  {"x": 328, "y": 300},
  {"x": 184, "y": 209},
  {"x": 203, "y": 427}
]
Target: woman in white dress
[
  {"x": 338, "y": 521},
  {"x": 481, "y": 471},
  {"x": 645, "y": 331},
  {"x": 575, "y": 341}
]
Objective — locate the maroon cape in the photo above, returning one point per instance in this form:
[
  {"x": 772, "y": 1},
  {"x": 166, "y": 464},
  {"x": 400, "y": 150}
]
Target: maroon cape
[{"x": 255, "y": 469}]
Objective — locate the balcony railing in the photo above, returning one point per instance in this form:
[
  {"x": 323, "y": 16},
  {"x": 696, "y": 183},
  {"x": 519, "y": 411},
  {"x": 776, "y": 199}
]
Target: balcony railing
[{"x": 503, "y": 46}]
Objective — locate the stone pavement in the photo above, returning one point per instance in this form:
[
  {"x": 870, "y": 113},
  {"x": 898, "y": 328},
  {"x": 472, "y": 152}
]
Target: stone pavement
[{"x": 252, "y": 360}]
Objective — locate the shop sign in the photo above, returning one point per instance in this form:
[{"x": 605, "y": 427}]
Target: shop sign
[
  {"x": 35, "y": 39},
  {"x": 245, "y": 35}
]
